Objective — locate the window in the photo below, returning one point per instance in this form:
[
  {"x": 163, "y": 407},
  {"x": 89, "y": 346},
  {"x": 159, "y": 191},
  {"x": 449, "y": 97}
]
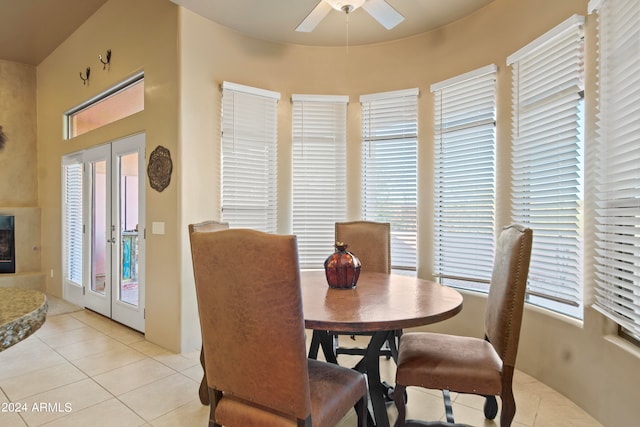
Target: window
[
  {"x": 464, "y": 142},
  {"x": 72, "y": 170},
  {"x": 120, "y": 101},
  {"x": 249, "y": 157},
  {"x": 617, "y": 264},
  {"x": 319, "y": 173},
  {"x": 389, "y": 168},
  {"x": 547, "y": 162}
]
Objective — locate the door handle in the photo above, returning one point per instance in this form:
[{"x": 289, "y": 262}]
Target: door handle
[{"x": 113, "y": 239}]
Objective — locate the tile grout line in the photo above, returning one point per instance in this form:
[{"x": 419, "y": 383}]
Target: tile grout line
[
  {"x": 90, "y": 376},
  {"x": 146, "y": 356}
]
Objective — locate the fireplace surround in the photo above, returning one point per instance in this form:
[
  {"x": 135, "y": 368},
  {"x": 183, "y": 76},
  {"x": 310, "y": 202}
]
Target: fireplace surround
[{"x": 7, "y": 244}]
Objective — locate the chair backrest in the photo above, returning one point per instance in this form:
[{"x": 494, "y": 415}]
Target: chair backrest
[
  {"x": 248, "y": 292},
  {"x": 505, "y": 302},
  {"x": 369, "y": 241},
  {"x": 206, "y": 226}
]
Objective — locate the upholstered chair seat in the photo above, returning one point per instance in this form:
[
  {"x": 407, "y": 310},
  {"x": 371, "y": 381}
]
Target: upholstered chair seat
[
  {"x": 449, "y": 362},
  {"x": 330, "y": 391}
]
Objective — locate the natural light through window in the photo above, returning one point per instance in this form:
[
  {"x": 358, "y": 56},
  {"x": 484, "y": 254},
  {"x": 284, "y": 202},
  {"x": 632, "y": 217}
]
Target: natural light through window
[
  {"x": 119, "y": 102},
  {"x": 548, "y": 162}
]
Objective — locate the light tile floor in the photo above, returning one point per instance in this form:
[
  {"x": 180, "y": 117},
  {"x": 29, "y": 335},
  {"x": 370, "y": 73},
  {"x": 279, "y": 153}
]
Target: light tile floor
[{"x": 81, "y": 369}]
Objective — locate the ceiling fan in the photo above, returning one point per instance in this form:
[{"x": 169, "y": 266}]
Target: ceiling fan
[{"x": 380, "y": 10}]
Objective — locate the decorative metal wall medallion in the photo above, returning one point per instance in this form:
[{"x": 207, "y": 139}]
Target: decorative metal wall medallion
[{"x": 160, "y": 168}]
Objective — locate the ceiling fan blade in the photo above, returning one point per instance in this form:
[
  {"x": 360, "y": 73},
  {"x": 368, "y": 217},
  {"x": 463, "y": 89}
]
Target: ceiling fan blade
[
  {"x": 313, "y": 19},
  {"x": 383, "y": 12}
]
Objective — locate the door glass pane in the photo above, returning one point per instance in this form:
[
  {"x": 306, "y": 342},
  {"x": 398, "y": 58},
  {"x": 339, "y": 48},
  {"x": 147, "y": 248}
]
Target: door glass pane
[
  {"x": 128, "y": 202},
  {"x": 100, "y": 227}
]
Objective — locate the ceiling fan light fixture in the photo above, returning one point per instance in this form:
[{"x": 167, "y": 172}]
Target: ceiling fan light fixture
[
  {"x": 346, "y": 6},
  {"x": 380, "y": 10}
]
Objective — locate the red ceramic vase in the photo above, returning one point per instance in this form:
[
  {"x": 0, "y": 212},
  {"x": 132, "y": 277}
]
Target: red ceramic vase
[{"x": 342, "y": 268}]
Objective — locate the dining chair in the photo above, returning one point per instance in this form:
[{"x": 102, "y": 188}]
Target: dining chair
[
  {"x": 370, "y": 242},
  {"x": 474, "y": 365},
  {"x": 248, "y": 294},
  {"x": 206, "y": 227}
]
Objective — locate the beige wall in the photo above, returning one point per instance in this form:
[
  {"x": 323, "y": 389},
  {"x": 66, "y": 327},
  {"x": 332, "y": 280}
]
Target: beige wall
[
  {"x": 18, "y": 167},
  {"x": 18, "y": 161},
  {"x": 142, "y": 36},
  {"x": 583, "y": 360}
]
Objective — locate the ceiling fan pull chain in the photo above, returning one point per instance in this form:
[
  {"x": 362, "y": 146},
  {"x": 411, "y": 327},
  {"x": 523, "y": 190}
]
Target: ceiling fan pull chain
[{"x": 347, "y": 17}]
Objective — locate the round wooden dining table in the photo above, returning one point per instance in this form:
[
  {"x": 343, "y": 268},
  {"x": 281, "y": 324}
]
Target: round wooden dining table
[{"x": 379, "y": 304}]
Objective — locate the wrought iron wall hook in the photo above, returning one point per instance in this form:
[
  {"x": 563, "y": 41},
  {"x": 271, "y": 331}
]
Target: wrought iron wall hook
[
  {"x": 106, "y": 63},
  {"x": 3, "y": 139},
  {"x": 85, "y": 79}
]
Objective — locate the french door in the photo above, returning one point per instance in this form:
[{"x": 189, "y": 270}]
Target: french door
[{"x": 103, "y": 222}]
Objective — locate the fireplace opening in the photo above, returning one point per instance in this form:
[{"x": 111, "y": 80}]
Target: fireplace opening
[{"x": 7, "y": 244}]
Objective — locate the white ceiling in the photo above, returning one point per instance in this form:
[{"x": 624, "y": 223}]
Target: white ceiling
[
  {"x": 276, "y": 20},
  {"x": 32, "y": 29}
]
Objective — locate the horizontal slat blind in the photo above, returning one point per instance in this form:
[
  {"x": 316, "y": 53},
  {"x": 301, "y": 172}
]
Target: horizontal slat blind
[
  {"x": 319, "y": 174},
  {"x": 618, "y": 192},
  {"x": 249, "y": 158},
  {"x": 389, "y": 181},
  {"x": 73, "y": 225},
  {"x": 464, "y": 142},
  {"x": 547, "y": 162}
]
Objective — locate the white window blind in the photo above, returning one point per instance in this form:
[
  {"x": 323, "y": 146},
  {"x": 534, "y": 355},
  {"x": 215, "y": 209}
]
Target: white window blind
[
  {"x": 464, "y": 143},
  {"x": 548, "y": 162},
  {"x": 72, "y": 221},
  {"x": 319, "y": 174},
  {"x": 389, "y": 168},
  {"x": 618, "y": 190},
  {"x": 249, "y": 157}
]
